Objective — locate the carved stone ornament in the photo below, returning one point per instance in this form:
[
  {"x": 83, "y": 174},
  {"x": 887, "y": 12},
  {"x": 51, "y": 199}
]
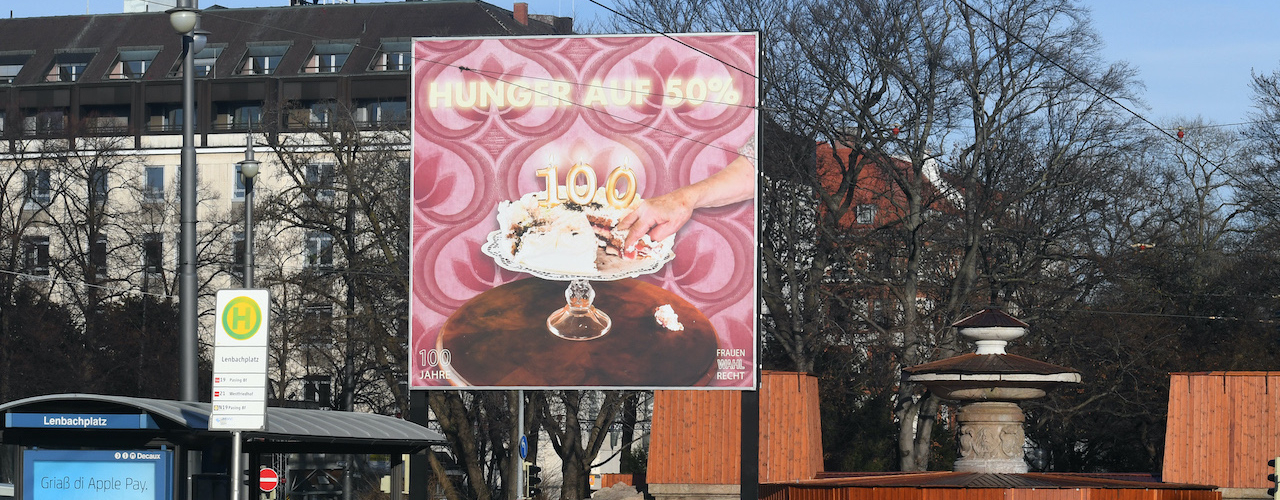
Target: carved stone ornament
[{"x": 991, "y": 438}]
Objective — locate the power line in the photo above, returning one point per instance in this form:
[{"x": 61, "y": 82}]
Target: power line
[
  {"x": 660, "y": 32},
  {"x": 1108, "y": 97},
  {"x": 126, "y": 291},
  {"x": 1157, "y": 315}
]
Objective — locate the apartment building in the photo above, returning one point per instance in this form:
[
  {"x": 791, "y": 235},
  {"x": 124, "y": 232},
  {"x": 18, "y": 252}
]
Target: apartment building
[{"x": 90, "y": 138}]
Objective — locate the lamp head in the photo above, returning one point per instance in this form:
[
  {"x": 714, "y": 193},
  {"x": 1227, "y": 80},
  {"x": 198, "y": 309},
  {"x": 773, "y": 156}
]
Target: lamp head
[
  {"x": 249, "y": 168},
  {"x": 199, "y": 38},
  {"x": 183, "y": 19}
]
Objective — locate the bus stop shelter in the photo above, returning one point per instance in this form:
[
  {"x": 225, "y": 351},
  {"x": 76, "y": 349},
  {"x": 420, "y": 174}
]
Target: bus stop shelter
[{"x": 95, "y": 421}]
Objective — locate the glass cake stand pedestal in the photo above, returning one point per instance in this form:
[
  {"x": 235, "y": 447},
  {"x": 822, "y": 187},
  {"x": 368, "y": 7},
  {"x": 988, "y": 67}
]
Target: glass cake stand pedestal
[{"x": 578, "y": 320}]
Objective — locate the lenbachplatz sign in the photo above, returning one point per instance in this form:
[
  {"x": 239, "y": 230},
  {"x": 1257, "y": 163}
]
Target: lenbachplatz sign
[{"x": 240, "y": 360}]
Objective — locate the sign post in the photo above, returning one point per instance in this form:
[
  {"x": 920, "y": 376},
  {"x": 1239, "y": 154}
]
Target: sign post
[{"x": 240, "y": 369}]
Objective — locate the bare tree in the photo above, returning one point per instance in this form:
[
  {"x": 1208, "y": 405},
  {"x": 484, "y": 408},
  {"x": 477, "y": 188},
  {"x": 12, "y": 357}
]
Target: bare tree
[
  {"x": 969, "y": 124},
  {"x": 342, "y": 196}
]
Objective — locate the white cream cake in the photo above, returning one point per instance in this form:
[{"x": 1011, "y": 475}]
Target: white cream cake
[{"x": 568, "y": 237}]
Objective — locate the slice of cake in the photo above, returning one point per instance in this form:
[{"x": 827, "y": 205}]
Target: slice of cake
[
  {"x": 568, "y": 237},
  {"x": 557, "y": 239}
]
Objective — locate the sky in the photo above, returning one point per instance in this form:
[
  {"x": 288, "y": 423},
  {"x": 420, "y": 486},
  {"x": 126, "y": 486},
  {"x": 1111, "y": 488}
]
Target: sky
[{"x": 1194, "y": 57}]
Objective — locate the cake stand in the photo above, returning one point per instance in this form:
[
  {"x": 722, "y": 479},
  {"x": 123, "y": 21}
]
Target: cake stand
[{"x": 578, "y": 319}]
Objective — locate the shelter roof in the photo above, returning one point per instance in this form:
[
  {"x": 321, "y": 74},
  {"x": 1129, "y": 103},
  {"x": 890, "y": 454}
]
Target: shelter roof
[{"x": 288, "y": 429}]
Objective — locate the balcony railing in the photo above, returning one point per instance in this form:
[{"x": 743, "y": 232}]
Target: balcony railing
[
  {"x": 164, "y": 127},
  {"x": 236, "y": 127}
]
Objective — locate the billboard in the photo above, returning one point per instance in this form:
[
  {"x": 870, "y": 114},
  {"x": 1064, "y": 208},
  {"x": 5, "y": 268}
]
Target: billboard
[
  {"x": 551, "y": 182},
  {"x": 97, "y": 474}
]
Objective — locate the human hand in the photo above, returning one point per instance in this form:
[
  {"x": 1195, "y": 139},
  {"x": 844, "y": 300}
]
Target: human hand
[{"x": 657, "y": 217}]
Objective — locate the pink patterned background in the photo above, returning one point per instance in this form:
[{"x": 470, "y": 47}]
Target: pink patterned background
[{"x": 466, "y": 160}]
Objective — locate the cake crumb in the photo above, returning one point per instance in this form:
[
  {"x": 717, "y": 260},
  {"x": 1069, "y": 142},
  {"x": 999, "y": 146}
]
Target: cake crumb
[{"x": 667, "y": 318}]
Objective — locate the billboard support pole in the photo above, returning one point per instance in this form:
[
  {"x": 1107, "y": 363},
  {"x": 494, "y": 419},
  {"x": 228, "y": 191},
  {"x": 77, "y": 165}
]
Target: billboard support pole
[
  {"x": 750, "y": 464},
  {"x": 419, "y": 469},
  {"x": 519, "y": 464},
  {"x": 749, "y": 471}
]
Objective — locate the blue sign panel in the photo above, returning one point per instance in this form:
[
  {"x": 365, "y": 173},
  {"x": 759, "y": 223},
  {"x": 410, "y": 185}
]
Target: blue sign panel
[
  {"x": 97, "y": 474},
  {"x": 80, "y": 421}
]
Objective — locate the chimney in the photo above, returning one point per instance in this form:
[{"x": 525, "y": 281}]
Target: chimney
[{"x": 522, "y": 13}]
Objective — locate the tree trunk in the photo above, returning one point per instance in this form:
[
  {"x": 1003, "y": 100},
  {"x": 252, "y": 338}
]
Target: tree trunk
[
  {"x": 452, "y": 416},
  {"x": 629, "y": 403}
]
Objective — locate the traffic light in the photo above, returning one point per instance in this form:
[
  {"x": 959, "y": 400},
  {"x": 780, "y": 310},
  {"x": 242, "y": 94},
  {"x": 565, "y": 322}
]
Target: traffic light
[
  {"x": 531, "y": 480},
  {"x": 1274, "y": 477}
]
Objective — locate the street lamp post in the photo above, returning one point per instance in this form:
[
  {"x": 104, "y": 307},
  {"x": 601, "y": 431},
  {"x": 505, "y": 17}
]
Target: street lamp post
[
  {"x": 184, "y": 18},
  {"x": 248, "y": 169}
]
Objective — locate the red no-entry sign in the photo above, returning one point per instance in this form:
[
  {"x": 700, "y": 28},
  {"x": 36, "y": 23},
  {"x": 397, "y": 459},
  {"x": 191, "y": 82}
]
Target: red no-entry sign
[{"x": 268, "y": 479}]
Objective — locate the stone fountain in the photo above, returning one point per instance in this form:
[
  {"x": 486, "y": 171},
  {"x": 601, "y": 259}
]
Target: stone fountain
[{"x": 989, "y": 383}]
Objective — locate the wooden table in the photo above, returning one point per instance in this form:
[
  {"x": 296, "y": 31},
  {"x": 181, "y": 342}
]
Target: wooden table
[{"x": 500, "y": 339}]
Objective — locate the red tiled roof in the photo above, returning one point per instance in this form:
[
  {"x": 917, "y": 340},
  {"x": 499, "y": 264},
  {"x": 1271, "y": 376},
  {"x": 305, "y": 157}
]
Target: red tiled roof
[{"x": 990, "y": 317}]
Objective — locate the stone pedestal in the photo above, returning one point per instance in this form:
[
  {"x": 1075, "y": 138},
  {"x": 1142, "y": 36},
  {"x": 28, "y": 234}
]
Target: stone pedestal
[{"x": 991, "y": 438}]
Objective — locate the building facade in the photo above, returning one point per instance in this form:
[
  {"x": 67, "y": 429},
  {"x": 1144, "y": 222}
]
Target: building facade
[{"x": 90, "y": 138}]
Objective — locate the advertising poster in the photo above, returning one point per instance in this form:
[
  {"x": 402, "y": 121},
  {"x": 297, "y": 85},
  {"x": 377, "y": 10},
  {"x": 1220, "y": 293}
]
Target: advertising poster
[
  {"x": 97, "y": 474},
  {"x": 531, "y": 158}
]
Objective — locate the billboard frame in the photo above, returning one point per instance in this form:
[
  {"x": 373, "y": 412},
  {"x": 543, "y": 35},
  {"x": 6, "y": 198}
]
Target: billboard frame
[{"x": 422, "y": 345}]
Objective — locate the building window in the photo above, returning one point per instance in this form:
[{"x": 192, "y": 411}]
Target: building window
[
  {"x": 237, "y": 249},
  {"x": 153, "y": 192},
  {"x": 262, "y": 59},
  {"x": 98, "y": 186},
  {"x": 317, "y": 325},
  {"x": 238, "y": 116},
  {"x": 98, "y": 257},
  {"x": 322, "y": 113},
  {"x": 39, "y": 189},
  {"x": 35, "y": 255},
  {"x": 69, "y": 66},
  {"x": 106, "y": 119},
  {"x": 10, "y": 65},
  {"x": 328, "y": 57},
  {"x": 389, "y": 112},
  {"x": 318, "y": 389},
  {"x": 237, "y": 185},
  {"x": 319, "y": 250},
  {"x": 48, "y": 122},
  {"x": 168, "y": 117},
  {"x": 8, "y": 72},
  {"x": 320, "y": 180},
  {"x": 152, "y": 253},
  {"x": 866, "y": 213},
  {"x": 204, "y": 61},
  {"x": 132, "y": 64},
  {"x": 245, "y": 117},
  {"x": 393, "y": 56}
]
